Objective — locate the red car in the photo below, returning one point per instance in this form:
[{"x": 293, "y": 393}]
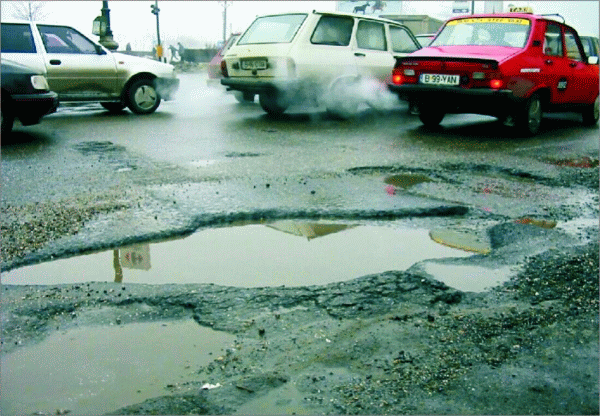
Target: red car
[{"x": 513, "y": 66}]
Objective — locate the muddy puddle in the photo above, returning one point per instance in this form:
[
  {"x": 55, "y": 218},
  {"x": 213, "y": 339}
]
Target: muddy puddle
[
  {"x": 289, "y": 253},
  {"x": 95, "y": 370}
]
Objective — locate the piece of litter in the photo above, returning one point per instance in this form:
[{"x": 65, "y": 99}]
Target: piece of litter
[{"x": 208, "y": 386}]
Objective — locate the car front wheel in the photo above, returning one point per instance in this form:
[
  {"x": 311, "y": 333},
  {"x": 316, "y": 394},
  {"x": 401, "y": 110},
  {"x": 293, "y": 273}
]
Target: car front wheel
[
  {"x": 7, "y": 121},
  {"x": 530, "y": 118},
  {"x": 591, "y": 113},
  {"x": 142, "y": 97}
]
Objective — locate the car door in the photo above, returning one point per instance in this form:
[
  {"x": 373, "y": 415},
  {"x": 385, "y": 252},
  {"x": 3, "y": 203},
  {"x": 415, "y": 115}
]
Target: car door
[
  {"x": 373, "y": 60},
  {"x": 555, "y": 67},
  {"x": 18, "y": 45},
  {"x": 77, "y": 70},
  {"x": 579, "y": 76}
]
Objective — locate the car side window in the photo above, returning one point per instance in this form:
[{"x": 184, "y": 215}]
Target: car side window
[
  {"x": 572, "y": 46},
  {"x": 60, "y": 39},
  {"x": 333, "y": 30},
  {"x": 371, "y": 35},
  {"x": 401, "y": 40},
  {"x": 17, "y": 38},
  {"x": 553, "y": 41}
]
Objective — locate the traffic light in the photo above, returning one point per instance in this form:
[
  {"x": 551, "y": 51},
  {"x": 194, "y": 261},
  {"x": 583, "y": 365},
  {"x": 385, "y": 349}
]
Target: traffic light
[{"x": 154, "y": 9}]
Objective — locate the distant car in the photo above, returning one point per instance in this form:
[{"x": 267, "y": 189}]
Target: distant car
[
  {"x": 79, "y": 70},
  {"x": 25, "y": 95},
  {"x": 316, "y": 58},
  {"x": 425, "y": 38},
  {"x": 513, "y": 66},
  {"x": 214, "y": 70},
  {"x": 590, "y": 45}
]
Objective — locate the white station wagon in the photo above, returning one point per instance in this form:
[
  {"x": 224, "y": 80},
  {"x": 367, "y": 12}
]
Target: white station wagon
[{"x": 319, "y": 57}]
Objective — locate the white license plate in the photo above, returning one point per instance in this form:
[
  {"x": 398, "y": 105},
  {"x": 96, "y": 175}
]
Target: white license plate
[
  {"x": 439, "y": 79},
  {"x": 255, "y": 64}
]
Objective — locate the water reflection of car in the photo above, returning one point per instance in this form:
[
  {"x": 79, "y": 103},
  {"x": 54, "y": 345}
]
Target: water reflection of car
[
  {"x": 590, "y": 45},
  {"x": 25, "y": 95},
  {"x": 214, "y": 70},
  {"x": 512, "y": 66},
  {"x": 425, "y": 38}
]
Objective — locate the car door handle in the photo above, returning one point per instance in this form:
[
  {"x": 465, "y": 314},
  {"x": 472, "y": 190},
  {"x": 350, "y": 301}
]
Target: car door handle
[
  {"x": 359, "y": 54},
  {"x": 55, "y": 62},
  {"x": 548, "y": 61}
]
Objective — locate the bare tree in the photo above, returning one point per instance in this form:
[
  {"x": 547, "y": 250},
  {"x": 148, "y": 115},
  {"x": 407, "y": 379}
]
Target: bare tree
[{"x": 29, "y": 10}]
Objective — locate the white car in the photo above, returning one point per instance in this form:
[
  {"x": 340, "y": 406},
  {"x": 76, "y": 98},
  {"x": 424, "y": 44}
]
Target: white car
[
  {"x": 318, "y": 57},
  {"x": 80, "y": 70}
]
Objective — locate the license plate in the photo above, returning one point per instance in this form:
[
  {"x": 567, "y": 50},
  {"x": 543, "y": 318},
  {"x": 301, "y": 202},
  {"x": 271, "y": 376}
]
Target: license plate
[
  {"x": 254, "y": 64},
  {"x": 439, "y": 79}
]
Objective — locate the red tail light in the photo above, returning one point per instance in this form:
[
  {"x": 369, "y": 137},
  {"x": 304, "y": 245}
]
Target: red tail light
[
  {"x": 397, "y": 78},
  {"x": 496, "y": 84},
  {"x": 224, "y": 69}
]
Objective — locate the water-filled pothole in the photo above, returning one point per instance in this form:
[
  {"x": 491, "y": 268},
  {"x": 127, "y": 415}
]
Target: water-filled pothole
[
  {"x": 290, "y": 253},
  {"x": 96, "y": 370}
]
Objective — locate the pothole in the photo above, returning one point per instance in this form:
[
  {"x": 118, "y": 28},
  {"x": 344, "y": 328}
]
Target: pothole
[
  {"x": 281, "y": 253},
  {"x": 406, "y": 180},
  {"x": 95, "y": 370}
]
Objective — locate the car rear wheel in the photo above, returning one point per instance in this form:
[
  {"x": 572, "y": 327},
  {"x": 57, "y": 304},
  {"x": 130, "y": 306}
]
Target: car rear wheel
[
  {"x": 113, "y": 107},
  {"x": 591, "y": 113},
  {"x": 244, "y": 97},
  {"x": 342, "y": 101},
  {"x": 530, "y": 118},
  {"x": 430, "y": 116},
  {"x": 142, "y": 97},
  {"x": 273, "y": 103}
]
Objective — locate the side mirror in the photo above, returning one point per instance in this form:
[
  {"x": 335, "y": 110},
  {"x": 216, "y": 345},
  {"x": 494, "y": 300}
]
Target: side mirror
[
  {"x": 99, "y": 50},
  {"x": 593, "y": 60}
]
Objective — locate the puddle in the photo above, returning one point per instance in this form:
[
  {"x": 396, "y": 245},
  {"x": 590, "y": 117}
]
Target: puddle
[
  {"x": 469, "y": 278},
  {"x": 406, "y": 180},
  {"x": 95, "y": 370},
  {"x": 290, "y": 253}
]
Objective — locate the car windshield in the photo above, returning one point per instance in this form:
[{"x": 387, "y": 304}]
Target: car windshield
[
  {"x": 273, "y": 29},
  {"x": 493, "y": 31}
]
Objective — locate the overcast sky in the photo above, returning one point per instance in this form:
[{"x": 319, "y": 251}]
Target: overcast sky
[{"x": 200, "y": 23}]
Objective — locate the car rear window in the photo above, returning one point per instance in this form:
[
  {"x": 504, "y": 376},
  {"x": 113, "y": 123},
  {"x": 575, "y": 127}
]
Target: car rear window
[
  {"x": 333, "y": 30},
  {"x": 492, "y": 31},
  {"x": 402, "y": 42},
  {"x": 273, "y": 29},
  {"x": 17, "y": 38}
]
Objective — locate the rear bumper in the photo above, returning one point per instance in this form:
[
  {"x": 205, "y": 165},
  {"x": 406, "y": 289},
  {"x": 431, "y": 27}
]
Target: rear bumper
[
  {"x": 30, "y": 108},
  {"x": 458, "y": 99},
  {"x": 167, "y": 87},
  {"x": 258, "y": 86}
]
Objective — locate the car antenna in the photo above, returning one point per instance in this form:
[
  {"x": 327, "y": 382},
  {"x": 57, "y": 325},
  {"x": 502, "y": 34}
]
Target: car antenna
[{"x": 554, "y": 14}]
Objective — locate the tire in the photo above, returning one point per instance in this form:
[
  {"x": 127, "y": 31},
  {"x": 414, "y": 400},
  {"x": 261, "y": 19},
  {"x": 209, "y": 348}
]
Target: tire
[
  {"x": 244, "y": 97},
  {"x": 530, "y": 118},
  {"x": 142, "y": 97},
  {"x": 7, "y": 121},
  {"x": 342, "y": 102},
  {"x": 273, "y": 103},
  {"x": 113, "y": 107},
  {"x": 591, "y": 113},
  {"x": 430, "y": 116}
]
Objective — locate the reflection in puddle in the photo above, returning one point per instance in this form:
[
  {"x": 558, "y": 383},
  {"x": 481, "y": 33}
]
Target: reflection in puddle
[
  {"x": 95, "y": 370},
  {"x": 282, "y": 253},
  {"x": 468, "y": 278},
  {"x": 406, "y": 180}
]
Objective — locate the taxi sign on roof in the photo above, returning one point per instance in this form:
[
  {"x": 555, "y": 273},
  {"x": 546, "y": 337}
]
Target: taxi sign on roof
[
  {"x": 524, "y": 9},
  {"x": 509, "y": 20}
]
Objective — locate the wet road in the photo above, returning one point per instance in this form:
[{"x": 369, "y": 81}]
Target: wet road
[{"x": 206, "y": 154}]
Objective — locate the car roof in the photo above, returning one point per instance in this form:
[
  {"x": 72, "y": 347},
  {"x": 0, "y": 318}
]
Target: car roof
[{"x": 380, "y": 19}]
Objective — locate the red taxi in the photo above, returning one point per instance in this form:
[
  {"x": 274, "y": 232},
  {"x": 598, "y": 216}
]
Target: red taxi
[{"x": 513, "y": 66}]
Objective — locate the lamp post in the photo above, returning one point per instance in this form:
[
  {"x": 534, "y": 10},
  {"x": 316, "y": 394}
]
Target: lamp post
[
  {"x": 106, "y": 36},
  {"x": 155, "y": 10}
]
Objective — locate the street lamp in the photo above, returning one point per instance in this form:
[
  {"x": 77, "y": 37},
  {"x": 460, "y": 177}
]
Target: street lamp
[
  {"x": 155, "y": 10},
  {"x": 101, "y": 27}
]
